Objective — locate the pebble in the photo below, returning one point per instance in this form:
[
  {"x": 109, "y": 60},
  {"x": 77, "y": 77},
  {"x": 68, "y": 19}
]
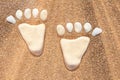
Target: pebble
[
  {"x": 60, "y": 30},
  {"x": 69, "y": 27},
  {"x": 87, "y": 27},
  {"x": 43, "y": 15},
  {"x": 11, "y": 19},
  {"x": 19, "y": 14},
  {"x": 78, "y": 27},
  {"x": 35, "y": 12},
  {"x": 96, "y": 31},
  {"x": 27, "y": 13}
]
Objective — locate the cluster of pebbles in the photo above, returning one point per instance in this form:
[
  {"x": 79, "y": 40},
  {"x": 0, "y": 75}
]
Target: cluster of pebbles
[
  {"x": 73, "y": 49},
  {"x": 77, "y": 28},
  {"x": 27, "y": 14}
]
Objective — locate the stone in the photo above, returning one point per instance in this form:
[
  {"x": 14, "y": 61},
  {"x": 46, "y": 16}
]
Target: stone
[
  {"x": 33, "y": 36},
  {"x": 35, "y": 12},
  {"x": 11, "y": 19},
  {"x": 73, "y": 51},
  {"x": 96, "y": 31},
  {"x": 19, "y": 14},
  {"x": 87, "y": 27},
  {"x": 27, "y": 13},
  {"x": 78, "y": 27},
  {"x": 69, "y": 27},
  {"x": 43, "y": 15},
  {"x": 60, "y": 30}
]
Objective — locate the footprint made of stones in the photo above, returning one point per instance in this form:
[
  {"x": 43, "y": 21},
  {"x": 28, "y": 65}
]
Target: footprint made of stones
[
  {"x": 74, "y": 49},
  {"x": 32, "y": 34}
]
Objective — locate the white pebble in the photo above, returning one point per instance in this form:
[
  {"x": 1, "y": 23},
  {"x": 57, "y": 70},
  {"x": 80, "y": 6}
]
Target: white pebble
[
  {"x": 87, "y": 27},
  {"x": 27, "y": 13},
  {"x": 60, "y": 30},
  {"x": 11, "y": 19},
  {"x": 69, "y": 27},
  {"x": 96, "y": 31},
  {"x": 78, "y": 27},
  {"x": 19, "y": 14},
  {"x": 35, "y": 12},
  {"x": 43, "y": 15}
]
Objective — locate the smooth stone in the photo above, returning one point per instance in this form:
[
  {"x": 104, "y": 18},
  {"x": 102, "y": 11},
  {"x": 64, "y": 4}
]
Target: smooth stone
[
  {"x": 27, "y": 13},
  {"x": 73, "y": 50},
  {"x": 43, "y": 15},
  {"x": 69, "y": 27},
  {"x": 78, "y": 27},
  {"x": 60, "y": 30},
  {"x": 19, "y": 14},
  {"x": 11, "y": 19},
  {"x": 96, "y": 31},
  {"x": 35, "y": 12},
  {"x": 33, "y": 36},
  {"x": 87, "y": 27}
]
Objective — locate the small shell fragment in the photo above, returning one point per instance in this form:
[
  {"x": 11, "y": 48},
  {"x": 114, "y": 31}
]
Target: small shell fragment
[
  {"x": 27, "y": 13},
  {"x": 19, "y": 14},
  {"x": 96, "y": 31},
  {"x": 69, "y": 27},
  {"x": 11, "y": 19},
  {"x": 35, "y": 12},
  {"x": 43, "y": 15},
  {"x": 60, "y": 30},
  {"x": 87, "y": 27},
  {"x": 78, "y": 27}
]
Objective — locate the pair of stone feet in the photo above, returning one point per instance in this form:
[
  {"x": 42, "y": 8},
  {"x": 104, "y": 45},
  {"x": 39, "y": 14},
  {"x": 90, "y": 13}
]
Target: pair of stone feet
[{"x": 73, "y": 49}]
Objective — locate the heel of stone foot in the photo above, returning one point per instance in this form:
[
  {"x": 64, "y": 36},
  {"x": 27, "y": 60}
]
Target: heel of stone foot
[
  {"x": 74, "y": 49},
  {"x": 33, "y": 35}
]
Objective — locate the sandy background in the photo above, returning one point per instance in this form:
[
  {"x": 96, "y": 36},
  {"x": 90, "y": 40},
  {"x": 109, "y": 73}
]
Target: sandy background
[{"x": 101, "y": 61}]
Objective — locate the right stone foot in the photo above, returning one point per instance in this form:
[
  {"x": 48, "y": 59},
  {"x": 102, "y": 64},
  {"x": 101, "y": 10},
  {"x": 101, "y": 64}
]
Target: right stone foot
[{"x": 74, "y": 49}]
